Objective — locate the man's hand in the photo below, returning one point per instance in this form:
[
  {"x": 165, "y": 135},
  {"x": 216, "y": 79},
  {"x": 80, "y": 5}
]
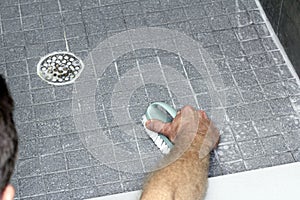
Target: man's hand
[{"x": 187, "y": 120}]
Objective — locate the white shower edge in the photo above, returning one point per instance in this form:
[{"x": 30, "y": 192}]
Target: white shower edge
[{"x": 273, "y": 183}]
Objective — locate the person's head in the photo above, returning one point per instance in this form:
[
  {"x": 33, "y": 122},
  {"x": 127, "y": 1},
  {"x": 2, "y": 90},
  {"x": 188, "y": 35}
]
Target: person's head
[{"x": 8, "y": 142}]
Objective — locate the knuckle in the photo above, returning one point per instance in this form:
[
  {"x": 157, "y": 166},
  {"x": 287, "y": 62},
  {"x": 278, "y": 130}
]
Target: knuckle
[{"x": 188, "y": 108}]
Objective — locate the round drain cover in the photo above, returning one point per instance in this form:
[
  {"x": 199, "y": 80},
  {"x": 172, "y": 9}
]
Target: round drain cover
[{"x": 60, "y": 68}]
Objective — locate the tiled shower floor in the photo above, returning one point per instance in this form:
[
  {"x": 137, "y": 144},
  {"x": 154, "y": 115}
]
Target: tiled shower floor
[{"x": 102, "y": 149}]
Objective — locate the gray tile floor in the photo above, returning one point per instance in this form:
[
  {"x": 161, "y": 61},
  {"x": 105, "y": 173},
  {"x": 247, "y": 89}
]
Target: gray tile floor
[{"x": 58, "y": 151}]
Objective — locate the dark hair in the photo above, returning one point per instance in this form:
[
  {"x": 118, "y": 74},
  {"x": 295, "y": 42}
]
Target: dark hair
[{"x": 8, "y": 136}]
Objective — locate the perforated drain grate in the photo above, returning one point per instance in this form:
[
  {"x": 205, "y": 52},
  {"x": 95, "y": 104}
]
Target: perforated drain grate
[{"x": 60, "y": 68}]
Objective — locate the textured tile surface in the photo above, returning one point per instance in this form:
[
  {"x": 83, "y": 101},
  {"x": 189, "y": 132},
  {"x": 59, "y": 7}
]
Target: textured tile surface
[{"x": 233, "y": 66}]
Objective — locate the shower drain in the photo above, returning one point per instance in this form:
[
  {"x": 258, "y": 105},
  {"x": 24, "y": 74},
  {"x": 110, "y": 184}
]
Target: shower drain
[{"x": 59, "y": 68}]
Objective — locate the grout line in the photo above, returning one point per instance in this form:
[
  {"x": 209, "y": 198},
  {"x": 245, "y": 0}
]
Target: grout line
[
  {"x": 166, "y": 82},
  {"x": 64, "y": 29},
  {"x": 1, "y": 28}
]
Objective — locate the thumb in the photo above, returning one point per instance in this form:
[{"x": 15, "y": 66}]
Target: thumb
[{"x": 158, "y": 126}]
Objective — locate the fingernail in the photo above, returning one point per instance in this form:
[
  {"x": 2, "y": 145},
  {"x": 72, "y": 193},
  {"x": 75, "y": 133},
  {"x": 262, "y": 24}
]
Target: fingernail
[{"x": 148, "y": 123}]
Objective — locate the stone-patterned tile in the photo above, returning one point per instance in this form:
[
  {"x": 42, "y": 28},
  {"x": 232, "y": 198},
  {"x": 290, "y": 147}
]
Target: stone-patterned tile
[
  {"x": 108, "y": 189},
  {"x": 33, "y": 8},
  {"x": 42, "y": 95},
  {"x": 223, "y": 81},
  {"x": 239, "y": 19},
  {"x": 246, "y": 78},
  {"x": 53, "y": 163},
  {"x": 195, "y": 12},
  {"x": 230, "y": 97},
  {"x": 259, "y": 110},
  {"x": 50, "y": 145},
  {"x": 218, "y": 67},
  {"x": 126, "y": 151},
  {"x": 133, "y": 185},
  {"x": 245, "y": 131},
  {"x": 247, "y": 33},
  {"x": 116, "y": 25},
  {"x": 200, "y": 25},
  {"x": 269, "y": 44},
  {"x": 27, "y": 130},
  {"x": 24, "y": 114},
  {"x": 296, "y": 155},
  {"x": 111, "y": 11},
  {"x": 238, "y": 114},
  {"x": 267, "y": 127},
  {"x": 12, "y": 54},
  {"x": 81, "y": 177},
  {"x": 206, "y": 101},
  {"x": 89, "y": 4},
  {"x": 253, "y": 47},
  {"x": 215, "y": 52},
  {"x": 281, "y": 106},
  {"x": 74, "y": 17},
  {"x": 233, "y": 167},
  {"x": 225, "y": 36},
  {"x": 14, "y": 39},
  {"x": 220, "y": 22},
  {"x": 35, "y": 36},
  {"x": 8, "y": 12},
  {"x": 78, "y": 44},
  {"x": 292, "y": 139},
  {"x": 175, "y": 15},
  {"x": 267, "y": 75},
  {"x": 51, "y": 21},
  {"x": 53, "y": 110},
  {"x": 22, "y": 98},
  {"x": 60, "y": 195},
  {"x": 274, "y": 144},
  {"x": 56, "y": 182},
  {"x": 130, "y": 170},
  {"x": 215, "y": 8},
  {"x": 28, "y": 148},
  {"x": 87, "y": 192},
  {"x": 262, "y": 30},
  {"x": 214, "y": 170},
  {"x": 228, "y": 152},
  {"x": 258, "y": 162},
  {"x": 71, "y": 142},
  {"x": 282, "y": 159},
  {"x": 291, "y": 87},
  {"x": 70, "y": 4},
  {"x": 54, "y": 33},
  {"x": 226, "y": 135},
  {"x": 238, "y": 64},
  {"x": 78, "y": 159},
  {"x": 50, "y": 6},
  {"x": 31, "y": 186},
  {"x": 232, "y": 50},
  {"x": 11, "y": 25},
  {"x": 36, "y": 50},
  {"x": 75, "y": 30},
  {"x": 134, "y": 21},
  {"x": 32, "y": 63},
  {"x": 199, "y": 86},
  {"x": 251, "y": 148},
  {"x": 29, "y": 167},
  {"x": 106, "y": 174},
  {"x": 274, "y": 90}
]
